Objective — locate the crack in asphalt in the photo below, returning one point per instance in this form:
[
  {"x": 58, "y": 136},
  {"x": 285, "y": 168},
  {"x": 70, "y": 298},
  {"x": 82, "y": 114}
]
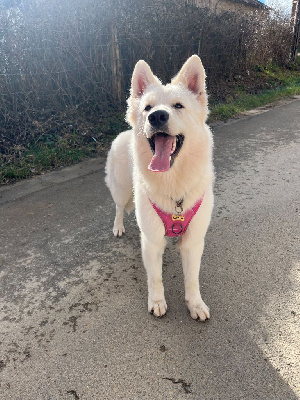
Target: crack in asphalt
[
  {"x": 73, "y": 392},
  {"x": 185, "y": 386}
]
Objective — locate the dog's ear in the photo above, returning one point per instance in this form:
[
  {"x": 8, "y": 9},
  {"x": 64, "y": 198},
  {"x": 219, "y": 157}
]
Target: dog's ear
[
  {"x": 192, "y": 76},
  {"x": 142, "y": 77}
]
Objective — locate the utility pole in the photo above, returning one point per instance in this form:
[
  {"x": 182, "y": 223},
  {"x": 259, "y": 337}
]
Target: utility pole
[{"x": 295, "y": 24}]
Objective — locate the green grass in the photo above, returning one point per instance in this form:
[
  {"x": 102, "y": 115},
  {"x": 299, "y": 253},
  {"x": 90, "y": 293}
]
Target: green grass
[
  {"x": 289, "y": 85},
  {"x": 43, "y": 157},
  {"x": 245, "y": 102},
  {"x": 51, "y": 151}
]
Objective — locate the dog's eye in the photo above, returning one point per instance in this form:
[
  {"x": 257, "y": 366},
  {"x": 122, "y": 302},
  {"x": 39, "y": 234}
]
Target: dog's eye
[
  {"x": 148, "y": 107},
  {"x": 178, "y": 105}
]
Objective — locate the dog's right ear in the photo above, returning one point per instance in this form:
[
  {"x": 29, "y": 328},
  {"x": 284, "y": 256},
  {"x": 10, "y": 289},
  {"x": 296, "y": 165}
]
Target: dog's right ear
[{"x": 142, "y": 77}]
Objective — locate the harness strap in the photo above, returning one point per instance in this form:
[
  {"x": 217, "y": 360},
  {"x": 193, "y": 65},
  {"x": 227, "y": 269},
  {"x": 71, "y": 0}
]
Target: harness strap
[{"x": 177, "y": 224}]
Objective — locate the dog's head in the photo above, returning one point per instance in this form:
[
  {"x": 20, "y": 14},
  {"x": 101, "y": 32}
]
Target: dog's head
[{"x": 167, "y": 115}]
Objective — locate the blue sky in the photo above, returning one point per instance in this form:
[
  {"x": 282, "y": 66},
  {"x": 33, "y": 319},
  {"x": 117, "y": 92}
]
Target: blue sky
[{"x": 283, "y": 5}]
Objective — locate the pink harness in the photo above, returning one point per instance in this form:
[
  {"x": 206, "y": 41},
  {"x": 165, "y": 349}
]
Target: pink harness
[{"x": 177, "y": 224}]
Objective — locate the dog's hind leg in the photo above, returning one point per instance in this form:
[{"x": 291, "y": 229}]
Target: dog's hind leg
[
  {"x": 119, "y": 180},
  {"x": 123, "y": 201},
  {"x": 118, "y": 228},
  {"x": 122, "y": 195}
]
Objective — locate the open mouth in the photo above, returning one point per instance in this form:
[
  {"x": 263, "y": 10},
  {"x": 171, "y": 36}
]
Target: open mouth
[{"x": 164, "y": 148}]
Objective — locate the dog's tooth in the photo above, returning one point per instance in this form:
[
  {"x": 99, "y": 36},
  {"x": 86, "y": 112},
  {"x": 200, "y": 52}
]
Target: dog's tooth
[{"x": 173, "y": 145}]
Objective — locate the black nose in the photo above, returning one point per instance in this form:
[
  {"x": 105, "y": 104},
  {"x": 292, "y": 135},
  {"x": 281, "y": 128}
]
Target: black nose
[{"x": 158, "y": 118}]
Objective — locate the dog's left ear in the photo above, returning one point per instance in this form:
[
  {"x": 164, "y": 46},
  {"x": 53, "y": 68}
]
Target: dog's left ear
[{"x": 192, "y": 76}]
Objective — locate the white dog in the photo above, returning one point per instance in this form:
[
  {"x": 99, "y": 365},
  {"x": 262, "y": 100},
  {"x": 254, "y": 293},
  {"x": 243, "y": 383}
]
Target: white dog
[{"x": 164, "y": 166}]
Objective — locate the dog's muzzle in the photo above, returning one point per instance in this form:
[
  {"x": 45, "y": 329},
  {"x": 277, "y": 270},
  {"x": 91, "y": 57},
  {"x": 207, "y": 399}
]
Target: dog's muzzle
[{"x": 164, "y": 146}]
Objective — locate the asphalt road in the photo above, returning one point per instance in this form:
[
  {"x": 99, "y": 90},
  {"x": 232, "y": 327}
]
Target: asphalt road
[{"x": 73, "y": 300}]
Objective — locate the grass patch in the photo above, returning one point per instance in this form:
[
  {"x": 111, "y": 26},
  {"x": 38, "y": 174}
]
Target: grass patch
[
  {"x": 50, "y": 151},
  {"x": 44, "y": 157},
  {"x": 288, "y": 84}
]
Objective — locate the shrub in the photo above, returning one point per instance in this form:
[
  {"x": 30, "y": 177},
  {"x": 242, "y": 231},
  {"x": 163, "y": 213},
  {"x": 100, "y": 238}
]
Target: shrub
[{"x": 65, "y": 62}]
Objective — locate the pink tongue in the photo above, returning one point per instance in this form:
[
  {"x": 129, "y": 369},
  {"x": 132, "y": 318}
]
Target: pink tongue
[{"x": 161, "y": 160}]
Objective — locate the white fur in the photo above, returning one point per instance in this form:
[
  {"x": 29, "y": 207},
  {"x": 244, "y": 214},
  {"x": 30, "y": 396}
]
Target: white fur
[{"x": 190, "y": 176}]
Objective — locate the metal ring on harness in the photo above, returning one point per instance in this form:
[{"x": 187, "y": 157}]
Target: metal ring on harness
[{"x": 178, "y": 229}]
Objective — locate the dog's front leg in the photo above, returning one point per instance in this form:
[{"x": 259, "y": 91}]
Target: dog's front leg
[
  {"x": 152, "y": 257},
  {"x": 191, "y": 254}
]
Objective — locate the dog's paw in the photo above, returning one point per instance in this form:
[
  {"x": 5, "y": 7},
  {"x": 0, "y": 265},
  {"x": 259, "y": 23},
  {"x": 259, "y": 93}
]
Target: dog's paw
[
  {"x": 118, "y": 230},
  {"x": 198, "y": 310},
  {"x": 157, "y": 308}
]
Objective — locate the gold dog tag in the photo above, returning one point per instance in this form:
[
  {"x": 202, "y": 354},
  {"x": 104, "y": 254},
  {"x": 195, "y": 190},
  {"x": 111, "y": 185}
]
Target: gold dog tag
[{"x": 177, "y": 217}]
